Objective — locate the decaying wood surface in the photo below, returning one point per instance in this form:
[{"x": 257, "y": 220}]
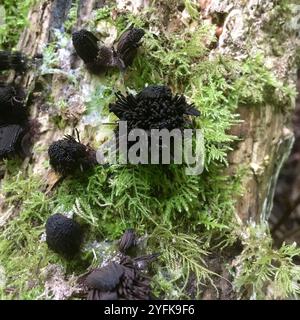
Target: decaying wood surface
[
  {"x": 265, "y": 133},
  {"x": 45, "y": 18}
]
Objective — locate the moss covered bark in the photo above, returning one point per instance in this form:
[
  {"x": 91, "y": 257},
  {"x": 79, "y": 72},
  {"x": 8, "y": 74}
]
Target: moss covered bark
[{"x": 200, "y": 224}]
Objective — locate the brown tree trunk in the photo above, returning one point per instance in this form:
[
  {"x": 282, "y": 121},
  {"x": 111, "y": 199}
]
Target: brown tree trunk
[{"x": 266, "y": 133}]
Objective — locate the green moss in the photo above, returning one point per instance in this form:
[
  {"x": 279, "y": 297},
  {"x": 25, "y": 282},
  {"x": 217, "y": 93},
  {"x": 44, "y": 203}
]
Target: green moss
[
  {"x": 19, "y": 244},
  {"x": 277, "y": 27},
  {"x": 103, "y": 13},
  {"x": 15, "y": 20},
  {"x": 59, "y": 117},
  {"x": 72, "y": 17},
  {"x": 262, "y": 271},
  {"x": 99, "y": 100},
  {"x": 50, "y": 60},
  {"x": 258, "y": 85},
  {"x": 192, "y": 9}
]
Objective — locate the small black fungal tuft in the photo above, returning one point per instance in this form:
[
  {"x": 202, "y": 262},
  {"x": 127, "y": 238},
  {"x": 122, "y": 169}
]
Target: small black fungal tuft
[
  {"x": 10, "y": 140},
  {"x": 127, "y": 241},
  {"x": 63, "y": 235},
  {"x": 106, "y": 278},
  {"x": 119, "y": 281},
  {"x": 68, "y": 156},
  {"x": 96, "y": 58},
  {"x": 12, "y": 108},
  {"x": 128, "y": 44},
  {"x": 153, "y": 108},
  {"x": 86, "y": 45},
  {"x": 14, "y": 123},
  {"x": 13, "y": 60},
  {"x": 99, "y": 58}
]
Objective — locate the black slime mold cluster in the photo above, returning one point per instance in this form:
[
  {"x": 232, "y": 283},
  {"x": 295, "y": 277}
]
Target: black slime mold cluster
[
  {"x": 121, "y": 281},
  {"x": 155, "y": 107},
  {"x": 68, "y": 156},
  {"x": 13, "y": 60},
  {"x": 14, "y": 127},
  {"x": 13, "y": 120},
  {"x": 12, "y": 109},
  {"x": 128, "y": 44},
  {"x": 97, "y": 57},
  {"x": 63, "y": 235},
  {"x": 10, "y": 139}
]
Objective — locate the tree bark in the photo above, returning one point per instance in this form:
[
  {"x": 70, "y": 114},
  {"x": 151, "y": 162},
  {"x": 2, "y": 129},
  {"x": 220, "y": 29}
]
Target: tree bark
[{"x": 266, "y": 133}]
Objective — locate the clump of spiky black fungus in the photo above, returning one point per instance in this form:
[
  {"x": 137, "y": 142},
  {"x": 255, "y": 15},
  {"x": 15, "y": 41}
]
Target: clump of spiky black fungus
[
  {"x": 12, "y": 108},
  {"x": 121, "y": 281},
  {"x": 68, "y": 156},
  {"x": 153, "y": 108},
  {"x": 97, "y": 57},
  {"x": 13, "y": 60},
  {"x": 14, "y": 123},
  {"x": 10, "y": 139},
  {"x": 127, "y": 241},
  {"x": 63, "y": 235}
]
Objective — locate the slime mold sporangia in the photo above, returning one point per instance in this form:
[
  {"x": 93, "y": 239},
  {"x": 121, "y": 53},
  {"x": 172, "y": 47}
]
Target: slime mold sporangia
[
  {"x": 98, "y": 57},
  {"x": 128, "y": 44},
  {"x": 155, "y": 107},
  {"x": 63, "y": 235},
  {"x": 119, "y": 281},
  {"x": 12, "y": 108},
  {"x": 69, "y": 156},
  {"x": 15, "y": 129},
  {"x": 11, "y": 136},
  {"x": 127, "y": 241},
  {"x": 13, "y": 60}
]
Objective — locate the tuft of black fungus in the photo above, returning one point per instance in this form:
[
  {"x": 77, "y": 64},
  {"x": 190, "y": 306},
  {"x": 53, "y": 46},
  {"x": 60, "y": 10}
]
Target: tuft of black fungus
[
  {"x": 127, "y": 241},
  {"x": 128, "y": 44},
  {"x": 120, "y": 281},
  {"x": 155, "y": 92},
  {"x": 12, "y": 108},
  {"x": 63, "y": 235},
  {"x": 153, "y": 108},
  {"x": 14, "y": 124},
  {"x": 68, "y": 156},
  {"x": 106, "y": 278},
  {"x": 98, "y": 58},
  {"x": 13, "y": 60},
  {"x": 10, "y": 139},
  {"x": 86, "y": 45}
]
